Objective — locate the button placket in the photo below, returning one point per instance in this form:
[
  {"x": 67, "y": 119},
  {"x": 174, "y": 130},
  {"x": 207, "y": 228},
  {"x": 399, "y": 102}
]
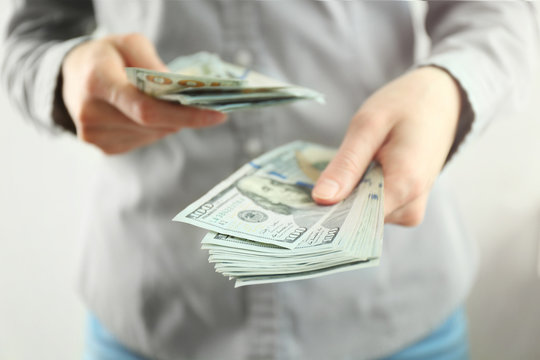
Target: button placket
[
  {"x": 253, "y": 147},
  {"x": 262, "y": 322},
  {"x": 240, "y": 42}
]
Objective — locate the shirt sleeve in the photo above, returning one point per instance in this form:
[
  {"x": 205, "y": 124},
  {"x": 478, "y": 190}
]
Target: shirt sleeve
[
  {"x": 40, "y": 33},
  {"x": 491, "y": 49}
]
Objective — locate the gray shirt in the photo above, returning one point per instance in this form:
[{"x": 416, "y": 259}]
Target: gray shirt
[{"x": 146, "y": 278}]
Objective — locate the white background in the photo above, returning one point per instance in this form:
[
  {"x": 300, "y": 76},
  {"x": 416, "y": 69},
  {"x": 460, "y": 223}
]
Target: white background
[{"x": 43, "y": 180}]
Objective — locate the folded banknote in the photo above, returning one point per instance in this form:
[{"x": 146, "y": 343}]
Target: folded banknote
[{"x": 204, "y": 80}]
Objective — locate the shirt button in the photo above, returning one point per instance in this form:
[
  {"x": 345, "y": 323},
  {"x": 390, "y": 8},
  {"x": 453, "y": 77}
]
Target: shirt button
[
  {"x": 244, "y": 58},
  {"x": 253, "y": 147}
]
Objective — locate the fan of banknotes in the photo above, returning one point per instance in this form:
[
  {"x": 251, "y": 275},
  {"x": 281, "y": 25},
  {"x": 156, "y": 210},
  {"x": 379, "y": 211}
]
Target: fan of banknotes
[
  {"x": 264, "y": 226},
  {"x": 203, "y": 80}
]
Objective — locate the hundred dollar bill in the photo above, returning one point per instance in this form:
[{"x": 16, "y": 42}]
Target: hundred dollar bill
[
  {"x": 356, "y": 243},
  {"x": 267, "y": 200},
  {"x": 204, "y": 80},
  {"x": 158, "y": 84}
]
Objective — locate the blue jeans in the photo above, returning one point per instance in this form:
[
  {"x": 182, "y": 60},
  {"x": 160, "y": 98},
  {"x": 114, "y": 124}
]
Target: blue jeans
[{"x": 448, "y": 342}]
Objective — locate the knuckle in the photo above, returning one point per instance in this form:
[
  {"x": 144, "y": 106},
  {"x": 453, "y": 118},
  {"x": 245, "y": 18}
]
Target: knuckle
[
  {"x": 347, "y": 164},
  {"x": 396, "y": 189},
  {"x": 87, "y": 135},
  {"x": 132, "y": 39},
  {"x": 406, "y": 186},
  {"x": 111, "y": 150},
  {"x": 373, "y": 120},
  {"x": 92, "y": 85},
  {"x": 115, "y": 147},
  {"x": 413, "y": 217},
  {"x": 416, "y": 188},
  {"x": 107, "y": 150},
  {"x": 85, "y": 115}
]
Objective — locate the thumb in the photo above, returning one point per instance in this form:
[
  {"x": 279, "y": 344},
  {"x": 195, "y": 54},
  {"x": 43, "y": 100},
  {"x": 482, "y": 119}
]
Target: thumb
[
  {"x": 342, "y": 174},
  {"x": 138, "y": 51}
]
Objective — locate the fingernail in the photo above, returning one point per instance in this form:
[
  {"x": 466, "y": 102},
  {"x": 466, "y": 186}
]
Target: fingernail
[{"x": 326, "y": 189}]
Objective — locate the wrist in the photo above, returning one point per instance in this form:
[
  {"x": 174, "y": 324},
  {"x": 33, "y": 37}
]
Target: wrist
[{"x": 465, "y": 115}]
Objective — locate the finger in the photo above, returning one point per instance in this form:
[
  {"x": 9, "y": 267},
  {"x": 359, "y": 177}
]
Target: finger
[
  {"x": 112, "y": 132},
  {"x": 109, "y": 83},
  {"x": 117, "y": 141},
  {"x": 410, "y": 214},
  {"x": 406, "y": 176},
  {"x": 364, "y": 136},
  {"x": 103, "y": 125},
  {"x": 138, "y": 51},
  {"x": 148, "y": 111},
  {"x": 100, "y": 114}
]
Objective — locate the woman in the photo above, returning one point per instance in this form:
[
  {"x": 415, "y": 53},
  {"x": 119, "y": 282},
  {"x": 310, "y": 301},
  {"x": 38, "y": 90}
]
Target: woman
[{"x": 149, "y": 289}]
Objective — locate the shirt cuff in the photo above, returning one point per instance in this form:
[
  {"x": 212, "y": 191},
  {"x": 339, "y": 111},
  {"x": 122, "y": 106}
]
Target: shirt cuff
[
  {"x": 52, "y": 112},
  {"x": 474, "y": 113}
]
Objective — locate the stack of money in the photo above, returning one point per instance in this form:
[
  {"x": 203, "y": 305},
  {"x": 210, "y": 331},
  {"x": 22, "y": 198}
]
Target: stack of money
[
  {"x": 203, "y": 80},
  {"x": 265, "y": 227}
]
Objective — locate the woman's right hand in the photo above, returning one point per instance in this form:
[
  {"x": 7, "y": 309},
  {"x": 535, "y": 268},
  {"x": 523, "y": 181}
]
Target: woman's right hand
[{"x": 111, "y": 113}]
